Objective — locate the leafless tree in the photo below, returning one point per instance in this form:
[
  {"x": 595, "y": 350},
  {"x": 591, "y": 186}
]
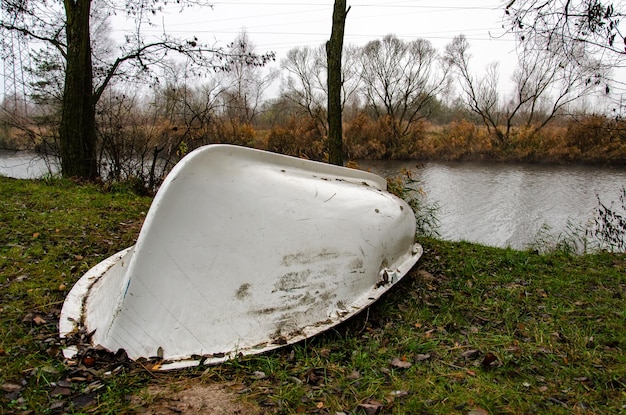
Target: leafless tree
[
  {"x": 401, "y": 79},
  {"x": 245, "y": 85},
  {"x": 569, "y": 26},
  {"x": 543, "y": 86},
  {"x": 305, "y": 82}
]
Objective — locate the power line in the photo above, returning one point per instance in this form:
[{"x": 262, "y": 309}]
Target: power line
[{"x": 384, "y": 5}]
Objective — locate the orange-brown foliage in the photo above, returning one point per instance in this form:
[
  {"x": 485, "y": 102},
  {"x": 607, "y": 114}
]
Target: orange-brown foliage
[
  {"x": 592, "y": 139},
  {"x": 598, "y": 139},
  {"x": 362, "y": 138},
  {"x": 366, "y": 138},
  {"x": 300, "y": 138},
  {"x": 462, "y": 140}
]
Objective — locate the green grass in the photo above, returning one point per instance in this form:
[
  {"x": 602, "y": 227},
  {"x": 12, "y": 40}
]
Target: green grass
[{"x": 497, "y": 329}]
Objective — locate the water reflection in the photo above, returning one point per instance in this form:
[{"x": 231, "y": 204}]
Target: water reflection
[
  {"x": 507, "y": 205},
  {"x": 25, "y": 165}
]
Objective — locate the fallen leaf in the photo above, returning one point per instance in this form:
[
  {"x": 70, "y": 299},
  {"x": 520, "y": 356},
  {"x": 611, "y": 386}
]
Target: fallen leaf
[
  {"x": 489, "y": 360},
  {"x": 59, "y": 390},
  {"x": 315, "y": 376},
  {"x": 355, "y": 374},
  {"x": 237, "y": 387},
  {"x": 425, "y": 276},
  {"x": 56, "y": 406},
  {"x": 39, "y": 320},
  {"x": 36, "y": 235},
  {"x": 421, "y": 357},
  {"x": 470, "y": 354},
  {"x": 402, "y": 364},
  {"x": 478, "y": 411},
  {"x": 10, "y": 387},
  {"x": 84, "y": 400},
  {"x": 89, "y": 361},
  {"x": 319, "y": 405},
  {"x": 64, "y": 383},
  {"x": 52, "y": 351},
  {"x": 372, "y": 408}
]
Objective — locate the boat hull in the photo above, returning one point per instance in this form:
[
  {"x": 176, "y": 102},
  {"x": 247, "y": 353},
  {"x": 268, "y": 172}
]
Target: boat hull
[{"x": 244, "y": 251}]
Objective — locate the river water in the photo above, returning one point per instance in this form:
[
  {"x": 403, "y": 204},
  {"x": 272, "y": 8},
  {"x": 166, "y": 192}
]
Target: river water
[
  {"x": 25, "y": 165},
  {"x": 493, "y": 204},
  {"x": 511, "y": 204}
]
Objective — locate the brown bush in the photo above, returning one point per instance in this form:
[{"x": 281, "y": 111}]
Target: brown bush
[
  {"x": 589, "y": 133},
  {"x": 464, "y": 140},
  {"x": 362, "y": 138},
  {"x": 547, "y": 144},
  {"x": 406, "y": 146},
  {"x": 597, "y": 139},
  {"x": 300, "y": 138},
  {"x": 366, "y": 138}
]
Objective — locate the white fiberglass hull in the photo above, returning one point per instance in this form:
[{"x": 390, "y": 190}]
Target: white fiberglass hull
[{"x": 244, "y": 251}]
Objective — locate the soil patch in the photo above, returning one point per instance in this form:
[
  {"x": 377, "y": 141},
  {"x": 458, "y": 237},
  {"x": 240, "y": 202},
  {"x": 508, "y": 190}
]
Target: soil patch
[{"x": 193, "y": 398}]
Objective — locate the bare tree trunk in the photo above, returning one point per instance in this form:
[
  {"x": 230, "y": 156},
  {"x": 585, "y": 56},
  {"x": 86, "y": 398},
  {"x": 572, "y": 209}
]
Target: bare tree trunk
[
  {"x": 333, "y": 54},
  {"x": 77, "y": 129}
]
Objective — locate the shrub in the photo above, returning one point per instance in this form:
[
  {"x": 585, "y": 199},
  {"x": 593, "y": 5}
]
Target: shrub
[
  {"x": 589, "y": 133},
  {"x": 610, "y": 225},
  {"x": 299, "y": 138},
  {"x": 362, "y": 138},
  {"x": 464, "y": 140},
  {"x": 597, "y": 139},
  {"x": 405, "y": 146},
  {"x": 549, "y": 143},
  {"x": 406, "y": 187}
]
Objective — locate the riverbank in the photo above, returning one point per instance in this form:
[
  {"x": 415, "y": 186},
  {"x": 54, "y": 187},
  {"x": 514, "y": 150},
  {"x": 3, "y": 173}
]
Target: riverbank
[{"x": 471, "y": 329}]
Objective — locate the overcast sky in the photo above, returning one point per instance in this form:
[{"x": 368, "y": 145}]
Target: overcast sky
[{"x": 280, "y": 25}]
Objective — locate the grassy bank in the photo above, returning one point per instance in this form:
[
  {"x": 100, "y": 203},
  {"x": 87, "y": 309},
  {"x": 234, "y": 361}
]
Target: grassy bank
[{"x": 471, "y": 330}]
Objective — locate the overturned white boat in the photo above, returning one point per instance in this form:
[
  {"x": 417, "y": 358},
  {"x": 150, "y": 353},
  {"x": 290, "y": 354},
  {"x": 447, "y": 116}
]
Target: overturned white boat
[{"x": 244, "y": 251}]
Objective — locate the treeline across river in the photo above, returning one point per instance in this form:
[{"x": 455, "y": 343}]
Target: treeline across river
[
  {"x": 592, "y": 139},
  {"x": 132, "y": 148},
  {"x": 391, "y": 111},
  {"x": 141, "y": 137}
]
